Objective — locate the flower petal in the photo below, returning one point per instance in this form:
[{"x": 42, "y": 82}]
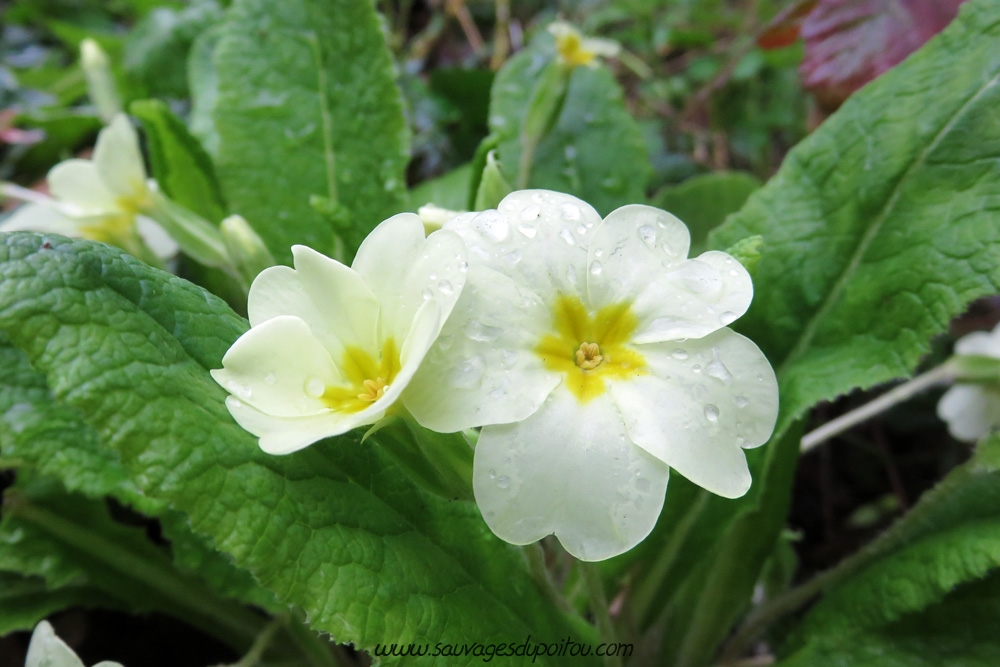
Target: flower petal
[
  {"x": 970, "y": 411},
  {"x": 333, "y": 300},
  {"x": 156, "y": 238},
  {"x": 404, "y": 269},
  {"x": 40, "y": 218},
  {"x": 703, "y": 401},
  {"x": 119, "y": 162},
  {"x": 77, "y": 185},
  {"x": 280, "y": 368},
  {"x": 980, "y": 343},
  {"x": 481, "y": 369},
  {"x": 284, "y": 435},
  {"x": 568, "y": 470},
  {"x": 46, "y": 649},
  {"x": 537, "y": 237}
]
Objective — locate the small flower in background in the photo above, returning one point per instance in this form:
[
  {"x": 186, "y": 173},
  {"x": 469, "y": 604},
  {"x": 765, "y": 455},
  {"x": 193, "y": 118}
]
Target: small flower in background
[
  {"x": 333, "y": 347},
  {"x": 47, "y": 650},
  {"x": 575, "y": 50},
  {"x": 972, "y": 409},
  {"x": 101, "y": 199},
  {"x": 596, "y": 356}
]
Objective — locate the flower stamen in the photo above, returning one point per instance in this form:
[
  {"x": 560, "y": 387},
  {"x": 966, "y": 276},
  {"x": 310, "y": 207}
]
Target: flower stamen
[
  {"x": 588, "y": 356},
  {"x": 372, "y": 390}
]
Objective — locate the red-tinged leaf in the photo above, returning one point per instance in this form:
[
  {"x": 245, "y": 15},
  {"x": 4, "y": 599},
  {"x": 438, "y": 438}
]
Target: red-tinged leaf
[
  {"x": 784, "y": 29},
  {"x": 850, "y": 42}
]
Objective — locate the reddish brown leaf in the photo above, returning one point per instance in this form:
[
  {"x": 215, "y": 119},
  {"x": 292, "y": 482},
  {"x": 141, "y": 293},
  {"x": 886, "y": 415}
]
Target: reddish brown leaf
[
  {"x": 850, "y": 42},
  {"x": 783, "y": 30}
]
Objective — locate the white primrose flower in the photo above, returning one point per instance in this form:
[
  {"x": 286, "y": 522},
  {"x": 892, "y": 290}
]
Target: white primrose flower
[
  {"x": 333, "y": 347},
  {"x": 47, "y": 650},
  {"x": 575, "y": 50},
  {"x": 100, "y": 199},
  {"x": 596, "y": 356},
  {"x": 972, "y": 410}
]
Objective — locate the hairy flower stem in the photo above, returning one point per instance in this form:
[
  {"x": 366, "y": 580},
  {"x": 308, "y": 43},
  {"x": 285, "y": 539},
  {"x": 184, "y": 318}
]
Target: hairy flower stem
[
  {"x": 942, "y": 374},
  {"x": 599, "y": 607},
  {"x": 535, "y": 555}
]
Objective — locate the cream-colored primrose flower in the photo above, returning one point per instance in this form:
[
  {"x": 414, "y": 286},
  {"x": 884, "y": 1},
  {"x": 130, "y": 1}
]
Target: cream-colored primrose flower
[
  {"x": 574, "y": 50},
  {"x": 100, "y": 199},
  {"x": 47, "y": 650},
  {"x": 597, "y": 357},
  {"x": 972, "y": 410},
  {"x": 333, "y": 347}
]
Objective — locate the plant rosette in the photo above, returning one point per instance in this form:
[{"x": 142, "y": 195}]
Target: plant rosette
[
  {"x": 596, "y": 356},
  {"x": 333, "y": 347}
]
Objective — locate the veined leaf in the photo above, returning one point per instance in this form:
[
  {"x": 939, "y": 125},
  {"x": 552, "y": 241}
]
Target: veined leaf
[
  {"x": 876, "y": 233},
  {"x": 307, "y": 105},
  {"x": 333, "y": 529}
]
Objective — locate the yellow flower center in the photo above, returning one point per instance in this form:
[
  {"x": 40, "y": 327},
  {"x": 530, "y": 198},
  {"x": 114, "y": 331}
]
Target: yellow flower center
[
  {"x": 571, "y": 49},
  {"x": 367, "y": 378},
  {"x": 591, "y": 348}
]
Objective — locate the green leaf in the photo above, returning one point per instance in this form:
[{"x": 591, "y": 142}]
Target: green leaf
[
  {"x": 449, "y": 191},
  {"x": 181, "y": 166},
  {"x": 704, "y": 201},
  {"x": 307, "y": 105},
  {"x": 595, "y": 151},
  {"x": 875, "y": 235},
  {"x": 160, "y": 42},
  {"x": 70, "y": 541},
  {"x": 24, "y": 601},
  {"x": 961, "y": 631},
  {"x": 334, "y": 529}
]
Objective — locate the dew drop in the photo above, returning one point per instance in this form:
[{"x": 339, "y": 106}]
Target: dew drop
[
  {"x": 445, "y": 287},
  {"x": 503, "y": 481},
  {"x": 680, "y": 354},
  {"x": 717, "y": 369},
  {"x": 728, "y": 318},
  {"x": 463, "y": 267},
  {"x": 270, "y": 379},
  {"x": 527, "y": 230},
  {"x": 696, "y": 368},
  {"x": 513, "y": 257},
  {"x": 530, "y": 213},
  {"x": 493, "y": 225},
  {"x": 599, "y": 253},
  {"x": 236, "y": 403},
  {"x": 481, "y": 333},
  {"x": 468, "y": 373},
  {"x": 581, "y": 230},
  {"x": 427, "y": 294},
  {"x": 570, "y": 211},
  {"x": 711, "y": 413},
  {"x": 595, "y": 268},
  {"x": 315, "y": 387},
  {"x": 508, "y": 358},
  {"x": 741, "y": 401},
  {"x": 493, "y": 474},
  {"x": 648, "y": 236},
  {"x": 567, "y": 236}
]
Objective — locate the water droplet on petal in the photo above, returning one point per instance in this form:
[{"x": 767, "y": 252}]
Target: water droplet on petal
[
  {"x": 493, "y": 474},
  {"x": 527, "y": 230},
  {"x": 728, "y": 318},
  {"x": 530, "y": 213},
  {"x": 508, "y": 358},
  {"x": 315, "y": 387},
  {"x": 741, "y": 401},
  {"x": 503, "y": 481},
  {"x": 711, "y": 413},
  {"x": 445, "y": 287},
  {"x": 493, "y": 225},
  {"x": 468, "y": 373},
  {"x": 595, "y": 268},
  {"x": 570, "y": 211},
  {"x": 270, "y": 379},
  {"x": 512, "y": 257},
  {"x": 680, "y": 354},
  {"x": 481, "y": 333},
  {"x": 648, "y": 236},
  {"x": 236, "y": 403},
  {"x": 427, "y": 294},
  {"x": 567, "y": 236},
  {"x": 717, "y": 369}
]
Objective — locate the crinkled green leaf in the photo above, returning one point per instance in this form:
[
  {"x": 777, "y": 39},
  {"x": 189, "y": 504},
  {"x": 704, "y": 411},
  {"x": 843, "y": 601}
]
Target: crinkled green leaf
[
  {"x": 875, "y": 235},
  {"x": 181, "y": 167},
  {"x": 334, "y": 529},
  {"x": 595, "y": 151},
  {"x": 307, "y": 105},
  {"x": 961, "y": 631},
  {"x": 50, "y": 438}
]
